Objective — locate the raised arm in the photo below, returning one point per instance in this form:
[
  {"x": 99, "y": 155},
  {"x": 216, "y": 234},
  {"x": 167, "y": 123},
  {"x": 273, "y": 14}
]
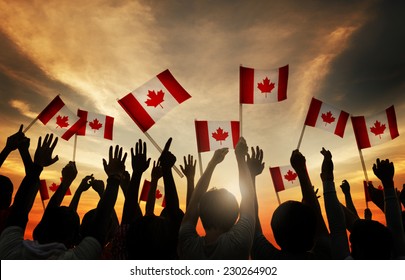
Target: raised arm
[
  {"x": 69, "y": 173},
  {"x": 334, "y": 213},
  {"x": 156, "y": 175},
  {"x": 20, "y": 142},
  {"x": 191, "y": 215},
  {"x": 189, "y": 171},
  {"x": 85, "y": 184},
  {"x": 345, "y": 186},
  {"x": 384, "y": 170},
  {"x": 25, "y": 196},
  {"x": 140, "y": 164}
]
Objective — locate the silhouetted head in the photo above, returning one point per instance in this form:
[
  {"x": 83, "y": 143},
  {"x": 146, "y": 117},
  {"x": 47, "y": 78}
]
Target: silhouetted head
[
  {"x": 371, "y": 240},
  {"x": 86, "y": 227},
  {"x": 58, "y": 224},
  {"x": 294, "y": 226},
  {"x": 6, "y": 192},
  {"x": 218, "y": 209},
  {"x": 151, "y": 238}
]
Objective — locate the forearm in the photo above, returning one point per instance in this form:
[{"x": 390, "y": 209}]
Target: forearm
[
  {"x": 350, "y": 204},
  {"x": 171, "y": 196},
  {"x": 131, "y": 209},
  {"x": 74, "y": 203},
  {"x": 26, "y": 158},
  {"x": 190, "y": 189},
  {"x": 393, "y": 218},
  {"x": 3, "y": 155},
  {"x": 247, "y": 206},
  {"x": 57, "y": 198}
]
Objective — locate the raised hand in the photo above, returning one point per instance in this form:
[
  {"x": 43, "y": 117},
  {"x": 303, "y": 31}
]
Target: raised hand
[
  {"x": 367, "y": 214},
  {"x": 327, "y": 166},
  {"x": 255, "y": 162},
  {"x": 43, "y": 154},
  {"x": 86, "y": 182},
  {"x": 69, "y": 172},
  {"x": 140, "y": 162},
  {"x": 15, "y": 140},
  {"x": 167, "y": 159},
  {"x": 298, "y": 161},
  {"x": 98, "y": 186},
  {"x": 384, "y": 170},
  {"x": 116, "y": 162},
  {"x": 219, "y": 155},
  {"x": 156, "y": 171},
  {"x": 189, "y": 167},
  {"x": 345, "y": 186},
  {"x": 241, "y": 149}
]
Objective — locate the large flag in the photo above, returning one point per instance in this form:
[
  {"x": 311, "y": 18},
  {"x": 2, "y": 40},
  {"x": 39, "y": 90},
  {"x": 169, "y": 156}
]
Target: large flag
[
  {"x": 45, "y": 189},
  {"x": 60, "y": 119},
  {"x": 376, "y": 129},
  {"x": 262, "y": 86},
  {"x": 326, "y": 117},
  {"x": 284, "y": 177},
  {"x": 97, "y": 125},
  {"x": 151, "y": 101},
  {"x": 214, "y": 135},
  {"x": 159, "y": 196}
]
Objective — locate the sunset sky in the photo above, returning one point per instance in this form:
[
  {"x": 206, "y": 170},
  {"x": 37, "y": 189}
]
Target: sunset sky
[{"x": 349, "y": 54}]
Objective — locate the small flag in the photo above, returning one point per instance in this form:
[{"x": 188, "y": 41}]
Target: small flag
[
  {"x": 366, "y": 192},
  {"x": 45, "y": 190},
  {"x": 263, "y": 86},
  {"x": 284, "y": 177},
  {"x": 159, "y": 196},
  {"x": 214, "y": 135},
  {"x": 375, "y": 130},
  {"x": 326, "y": 117},
  {"x": 151, "y": 101},
  {"x": 97, "y": 125},
  {"x": 60, "y": 119}
]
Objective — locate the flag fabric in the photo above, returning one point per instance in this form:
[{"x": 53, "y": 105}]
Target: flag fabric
[
  {"x": 60, "y": 119},
  {"x": 284, "y": 177},
  {"x": 151, "y": 101},
  {"x": 326, "y": 117},
  {"x": 376, "y": 129},
  {"x": 96, "y": 125},
  {"x": 214, "y": 135},
  {"x": 366, "y": 192},
  {"x": 159, "y": 196},
  {"x": 45, "y": 189},
  {"x": 262, "y": 86}
]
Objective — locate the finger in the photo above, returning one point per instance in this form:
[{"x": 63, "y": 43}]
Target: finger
[
  {"x": 104, "y": 163},
  {"x": 167, "y": 146},
  {"x": 110, "y": 152},
  {"x": 261, "y": 155},
  {"x": 195, "y": 162},
  {"x": 253, "y": 152},
  {"x": 53, "y": 145},
  {"x": 55, "y": 159},
  {"x": 120, "y": 153},
  {"x": 132, "y": 152},
  {"x": 182, "y": 168},
  {"x": 124, "y": 158},
  {"x": 185, "y": 161},
  {"x": 39, "y": 142},
  {"x": 144, "y": 148},
  {"x": 46, "y": 140},
  {"x": 21, "y": 128}
]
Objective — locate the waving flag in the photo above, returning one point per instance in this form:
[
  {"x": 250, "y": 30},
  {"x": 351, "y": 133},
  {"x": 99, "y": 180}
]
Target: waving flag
[
  {"x": 45, "y": 189},
  {"x": 159, "y": 196},
  {"x": 376, "y": 129},
  {"x": 151, "y": 101},
  {"x": 284, "y": 177},
  {"x": 213, "y": 135},
  {"x": 97, "y": 125},
  {"x": 60, "y": 119},
  {"x": 326, "y": 117},
  {"x": 263, "y": 86}
]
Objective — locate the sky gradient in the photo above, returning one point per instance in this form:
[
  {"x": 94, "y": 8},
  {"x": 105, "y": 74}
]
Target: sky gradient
[{"x": 349, "y": 54}]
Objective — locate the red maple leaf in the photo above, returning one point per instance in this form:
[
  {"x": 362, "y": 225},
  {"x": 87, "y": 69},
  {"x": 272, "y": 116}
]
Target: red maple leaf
[
  {"x": 265, "y": 87},
  {"x": 220, "y": 135},
  {"x": 378, "y": 129},
  {"x": 53, "y": 187},
  {"x": 328, "y": 118},
  {"x": 290, "y": 176},
  {"x": 62, "y": 121},
  {"x": 155, "y": 98},
  {"x": 95, "y": 125},
  {"x": 158, "y": 194}
]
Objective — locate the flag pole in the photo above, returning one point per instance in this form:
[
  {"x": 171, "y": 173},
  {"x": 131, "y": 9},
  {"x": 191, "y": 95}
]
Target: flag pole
[
  {"x": 200, "y": 163},
  {"x": 74, "y": 147},
  {"x": 31, "y": 124},
  {"x": 160, "y": 150},
  {"x": 43, "y": 204},
  {"x": 364, "y": 170},
  {"x": 240, "y": 119},
  {"x": 278, "y": 198},
  {"x": 301, "y": 136}
]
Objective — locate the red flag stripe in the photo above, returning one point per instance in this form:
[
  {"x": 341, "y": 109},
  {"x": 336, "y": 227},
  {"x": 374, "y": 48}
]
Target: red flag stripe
[
  {"x": 282, "y": 83},
  {"x": 246, "y": 80},
  {"x": 341, "y": 124},
  {"x": 73, "y": 129},
  {"x": 145, "y": 191},
  {"x": 43, "y": 190},
  {"x": 392, "y": 122},
  {"x": 277, "y": 179},
  {"x": 137, "y": 113},
  {"x": 50, "y": 110},
  {"x": 235, "y": 132},
  {"x": 108, "y": 127},
  {"x": 313, "y": 112},
  {"x": 171, "y": 84},
  {"x": 360, "y": 132},
  {"x": 203, "y": 142},
  {"x": 83, "y": 115},
  {"x": 366, "y": 192}
]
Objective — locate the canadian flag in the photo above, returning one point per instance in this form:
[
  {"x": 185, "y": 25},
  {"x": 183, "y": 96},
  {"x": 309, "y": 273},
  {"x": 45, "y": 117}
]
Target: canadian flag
[
  {"x": 159, "y": 196},
  {"x": 214, "y": 135},
  {"x": 97, "y": 125},
  {"x": 45, "y": 189},
  {"x": 263, "y": 86},
  {"x": 376, "y": 129},
  {"x": 60, "y": 119},
  {"x": 284, "y": 177},
  {"x": 151, "y": 101},
  {"x": 326, "y": 117}
]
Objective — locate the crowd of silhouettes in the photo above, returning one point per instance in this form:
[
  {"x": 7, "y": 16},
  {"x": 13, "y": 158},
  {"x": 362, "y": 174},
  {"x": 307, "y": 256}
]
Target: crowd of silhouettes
[{"x": 232, "y": 230}]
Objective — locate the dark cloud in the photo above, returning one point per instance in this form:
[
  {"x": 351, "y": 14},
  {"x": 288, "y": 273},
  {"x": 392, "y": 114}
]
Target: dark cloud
[{"x": 370, "y": 74}]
